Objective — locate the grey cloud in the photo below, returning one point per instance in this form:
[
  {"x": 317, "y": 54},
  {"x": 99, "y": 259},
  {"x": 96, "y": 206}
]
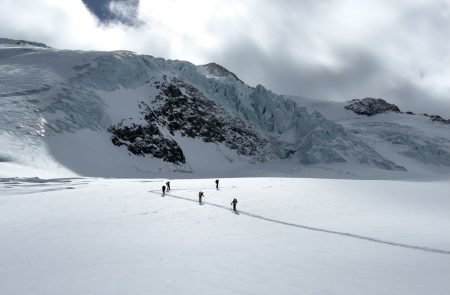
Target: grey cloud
[
  {"x": 389, "y": 64},
  {"x": 114, "y": 11},
  {"x": 363, "y": 75}
]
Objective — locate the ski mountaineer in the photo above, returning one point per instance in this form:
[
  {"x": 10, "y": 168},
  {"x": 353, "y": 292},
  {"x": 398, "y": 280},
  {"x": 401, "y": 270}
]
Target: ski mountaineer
[
  {"x": 217, "y": 184},
  {"x": 200, "y": 196},
  {"x": 168, "y": 185},
  {"x": 234, "y": 204},
  {"x": 164, "y": 189}
]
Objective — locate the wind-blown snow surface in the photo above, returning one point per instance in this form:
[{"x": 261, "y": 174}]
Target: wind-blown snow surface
[{"x": 109, "y": 236}]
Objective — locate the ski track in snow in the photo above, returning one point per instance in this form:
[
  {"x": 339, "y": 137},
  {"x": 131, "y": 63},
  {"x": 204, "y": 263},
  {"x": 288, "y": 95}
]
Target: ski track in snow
[
  {"x": 26, "y": 92},
  {"x": 31, "y": 183},
  {"x": 343, "y": 234}
]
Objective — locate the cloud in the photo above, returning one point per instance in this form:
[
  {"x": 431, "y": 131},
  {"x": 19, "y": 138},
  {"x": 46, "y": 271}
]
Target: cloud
[
  {"x": 114, "y": 11},
  {"x": 125, "y": 11},
  {"x": 331, "y": 49}
]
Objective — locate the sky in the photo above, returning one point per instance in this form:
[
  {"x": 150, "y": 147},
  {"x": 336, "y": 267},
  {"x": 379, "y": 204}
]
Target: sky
[{"x": 328, "y": 49}]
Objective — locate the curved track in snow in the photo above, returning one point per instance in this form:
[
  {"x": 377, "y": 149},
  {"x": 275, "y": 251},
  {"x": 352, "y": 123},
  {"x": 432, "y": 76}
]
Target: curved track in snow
[{"x": 317, "y": 229}]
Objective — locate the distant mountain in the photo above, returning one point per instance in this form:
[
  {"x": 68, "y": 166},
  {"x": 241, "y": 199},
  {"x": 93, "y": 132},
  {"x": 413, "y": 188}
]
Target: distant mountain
[{"x": 123, "y": 114}]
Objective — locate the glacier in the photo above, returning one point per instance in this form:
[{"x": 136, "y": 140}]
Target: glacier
[{"x": 58, "y": 108}]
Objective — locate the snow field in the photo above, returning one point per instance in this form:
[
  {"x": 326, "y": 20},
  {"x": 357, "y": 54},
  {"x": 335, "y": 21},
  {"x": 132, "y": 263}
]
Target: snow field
[{"x": 115, "y": 236}]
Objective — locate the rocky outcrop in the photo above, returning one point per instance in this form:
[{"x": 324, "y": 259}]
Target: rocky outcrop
[
  {"x": 146, "y": 140},
  {"x": 183, "y": 109},
  {"x": 371, "y": 106},
  {"x": 439, "y": 119}
]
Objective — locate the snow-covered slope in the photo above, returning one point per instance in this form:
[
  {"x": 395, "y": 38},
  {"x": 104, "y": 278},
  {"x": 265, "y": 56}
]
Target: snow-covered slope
[
  {"x": 290, "y": 236},
  {"x": 415, "y": 141},
  {"x": 122, "y": 114}
]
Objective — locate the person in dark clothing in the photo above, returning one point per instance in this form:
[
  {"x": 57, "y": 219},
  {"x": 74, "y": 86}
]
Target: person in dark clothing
[
  {"x": 217, "y": 184},
  {"x": 168, "y": 185},
  {"x": 234, "y": 204},
  {"x": 200, "y": 196},
  {"x": 164, "y": 189}
]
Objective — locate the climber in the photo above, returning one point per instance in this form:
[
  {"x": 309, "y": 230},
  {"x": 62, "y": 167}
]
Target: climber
[{"x": 234, "y": 202}]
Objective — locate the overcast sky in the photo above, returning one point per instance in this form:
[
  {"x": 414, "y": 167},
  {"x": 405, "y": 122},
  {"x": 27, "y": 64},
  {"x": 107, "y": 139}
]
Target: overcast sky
[{"x": 326, "y": 49}]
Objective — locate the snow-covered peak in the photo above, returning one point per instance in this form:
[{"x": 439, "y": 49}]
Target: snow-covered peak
[{"x": 213, "y": 70}]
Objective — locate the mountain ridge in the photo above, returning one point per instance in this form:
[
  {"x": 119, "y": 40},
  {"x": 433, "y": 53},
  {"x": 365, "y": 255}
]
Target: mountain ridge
[{"x": 50, "y": 95}]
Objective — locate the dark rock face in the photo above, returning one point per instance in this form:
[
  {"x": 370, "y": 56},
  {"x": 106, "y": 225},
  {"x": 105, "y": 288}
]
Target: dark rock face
[
  {"x": 182, "y": 108},
  {"x": 147, "y": 140},
  {"x": 436, "y": 118},
  {"x": 172, "y": 91},
  {"x": 371, "y": 106}
]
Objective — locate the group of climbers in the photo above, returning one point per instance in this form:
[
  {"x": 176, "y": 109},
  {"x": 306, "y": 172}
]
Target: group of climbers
[{"x": 200, "y": 194}]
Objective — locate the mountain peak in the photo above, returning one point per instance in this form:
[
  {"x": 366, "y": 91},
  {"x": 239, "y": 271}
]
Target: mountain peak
[{"x": 216, "y": 70}]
